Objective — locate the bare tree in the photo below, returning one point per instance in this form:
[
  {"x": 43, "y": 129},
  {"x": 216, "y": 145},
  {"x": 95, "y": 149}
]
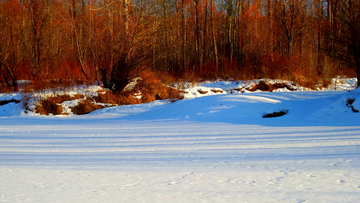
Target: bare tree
[
  {"x": 257, "y": 37},
  {"x": 213, "y": 34},
  {"x": 10, "y": 55},
  {"x": 343, "y": 31},
  {"x": 78, "y": 21},
  {"x": 133, "y": 51},
  {"x": 38, "y": 31},
  {"x": 291, "y": 16}
]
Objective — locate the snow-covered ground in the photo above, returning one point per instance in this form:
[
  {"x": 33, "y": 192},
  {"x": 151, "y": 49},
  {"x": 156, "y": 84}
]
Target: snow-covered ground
[{"x": 212, "y": 147}]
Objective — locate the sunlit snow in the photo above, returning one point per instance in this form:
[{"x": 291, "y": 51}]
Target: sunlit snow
[{"x": 205, "y": 148}]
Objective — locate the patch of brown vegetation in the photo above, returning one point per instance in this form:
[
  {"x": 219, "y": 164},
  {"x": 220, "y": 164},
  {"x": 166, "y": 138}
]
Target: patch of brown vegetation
[
  {"x": 107, "y": 97},
  {"x": 86, "y": 106},
  {"x": 149, "y": 87},
  {"x": 51, "y": 105},
  {"x": 61, "y": 98},
  {"x": 122, "y": 98},
  {"x": 217, "y": 91},
  {"x": 48, "y": 106},
  {"x": 25, "y": 102},
  {"x": 263, "y": 86}
]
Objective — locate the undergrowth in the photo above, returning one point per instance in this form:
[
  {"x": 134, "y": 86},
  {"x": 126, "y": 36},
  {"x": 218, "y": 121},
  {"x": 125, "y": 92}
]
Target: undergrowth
[
  {"x": 157, "y": 86},
  {"x": 46, "y": 107},
  {"x": 263, "y": 86},
  {"x": 146, "y": 90},
  {"x": 52, "y": 105}
]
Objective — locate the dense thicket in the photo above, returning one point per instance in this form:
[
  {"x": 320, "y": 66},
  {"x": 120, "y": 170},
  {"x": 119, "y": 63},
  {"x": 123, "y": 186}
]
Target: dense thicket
[{"x": 109, "y": 41}]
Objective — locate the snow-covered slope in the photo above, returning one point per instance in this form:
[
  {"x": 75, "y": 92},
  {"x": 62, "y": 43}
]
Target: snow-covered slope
[{"x": 214, "y": 148}]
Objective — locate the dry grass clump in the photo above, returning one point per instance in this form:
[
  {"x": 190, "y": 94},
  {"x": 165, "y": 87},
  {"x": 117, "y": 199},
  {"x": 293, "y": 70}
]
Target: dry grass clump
[
  {"x": 52, "y": 105},
  {"x": 150, "y": 88},
  {"x": 48, "y": 106},
  {"x": 263, "y": 86},
  {"x": 107, "y": 97},
  {"x": 61, "y": 98},
  {"x": 86, "y": 106},
  {"x": 217, "y": 91},
  {"x": 146, "y": 89},
  {"x": 122, "y": 98}
]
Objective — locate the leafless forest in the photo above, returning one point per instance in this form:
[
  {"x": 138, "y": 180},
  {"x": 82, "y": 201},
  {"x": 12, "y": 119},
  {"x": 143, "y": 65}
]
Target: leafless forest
[{"x": 110, "y": 41}]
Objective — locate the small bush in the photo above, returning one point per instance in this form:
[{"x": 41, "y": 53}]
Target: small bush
[
  {"x": 25, "y": 102},
  {"x": 85, "y": 107},
  {"x": 149, "y": 87}
]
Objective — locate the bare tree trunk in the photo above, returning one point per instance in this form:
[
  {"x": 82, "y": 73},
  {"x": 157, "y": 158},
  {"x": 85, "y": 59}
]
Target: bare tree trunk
[
  {"x": 197, "y": 32},
  {"x": 203, "y": 55},
  {"x": 183, "y": 31},
  {"x": 126, "y": 16},
  {"x": 165, "y": 34},
  {"x": 229, "y": 16},
  {"x": 12, "y": 76},
  {"x": 213, "y": 35}
]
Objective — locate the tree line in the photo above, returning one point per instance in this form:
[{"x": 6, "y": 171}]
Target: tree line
[{"x": 108, "y": 40}]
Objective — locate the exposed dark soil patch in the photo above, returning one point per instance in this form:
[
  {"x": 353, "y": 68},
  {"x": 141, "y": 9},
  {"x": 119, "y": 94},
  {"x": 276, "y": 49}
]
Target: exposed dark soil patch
[
  {"x": 276, "y": 114},
  {"x": 349, "y": 103},
  {"x": 202, "y": 92},
  {"x": 4, "y": 102}
]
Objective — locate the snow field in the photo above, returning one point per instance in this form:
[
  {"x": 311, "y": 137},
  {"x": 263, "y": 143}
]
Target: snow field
[
  {"x": 216, "y": 148},
  {"x": 162, "y": 161}
]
